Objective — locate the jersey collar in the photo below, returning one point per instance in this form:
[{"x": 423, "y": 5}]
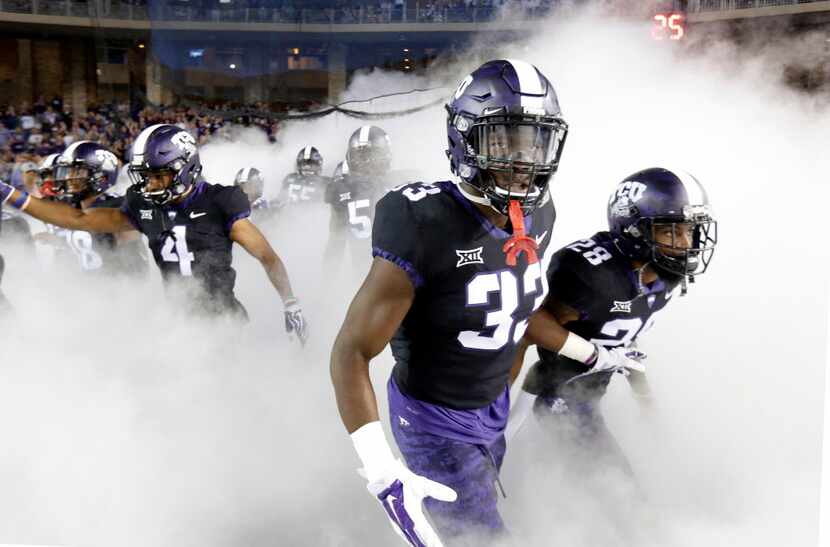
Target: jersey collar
[
  {"x": 197, "y": 191},
  {"x": 491, "y": 228}
]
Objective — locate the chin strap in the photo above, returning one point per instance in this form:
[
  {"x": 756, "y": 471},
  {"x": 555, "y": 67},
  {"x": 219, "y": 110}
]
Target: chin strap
[
  {"x": 481, "y": 200},
  {"x": 520, "y": 242}
]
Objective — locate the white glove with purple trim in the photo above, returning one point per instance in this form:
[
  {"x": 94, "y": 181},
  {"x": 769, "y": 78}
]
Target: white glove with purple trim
[
  {"x": 400, "y": 491},
  {"x": 295, "y": 325},
  {"x": 620, "y": 360}
]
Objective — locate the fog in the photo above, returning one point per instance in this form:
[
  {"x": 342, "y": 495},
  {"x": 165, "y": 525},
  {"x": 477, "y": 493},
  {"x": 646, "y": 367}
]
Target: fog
[{"x": 126, "y": 423}]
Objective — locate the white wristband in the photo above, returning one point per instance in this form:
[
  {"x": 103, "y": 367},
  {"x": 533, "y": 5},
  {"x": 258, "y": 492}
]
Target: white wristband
[
  {"x": 373, "y": 450},
  {"x": 577, "y": 348}
]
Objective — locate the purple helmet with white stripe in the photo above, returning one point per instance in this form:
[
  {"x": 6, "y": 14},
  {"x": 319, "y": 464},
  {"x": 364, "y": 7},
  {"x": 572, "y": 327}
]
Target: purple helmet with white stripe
[
  {"x": 369, "y": 152},
  {"x": 309, "y": 161},
  {"x": 341, "y": 171},
  {"x": 670, "y": 201},
  {"x": 84, "y": 169},
  {"x": 504, "y": 126},
  {"x": 164, "y": 149},
  {"x": 250, "y": 181}
]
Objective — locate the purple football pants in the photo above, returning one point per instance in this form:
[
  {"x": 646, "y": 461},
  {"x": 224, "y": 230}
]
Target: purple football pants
[{"x": 469, "y": 469}]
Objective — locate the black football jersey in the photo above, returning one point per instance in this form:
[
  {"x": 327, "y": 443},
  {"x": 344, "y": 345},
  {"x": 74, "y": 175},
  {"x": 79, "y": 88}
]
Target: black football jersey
[
  {"x": 456, "y": 344},
  {"x": 13, "y": 226},
  {"x": 191, "y": 240},
  {"x": 101, "y": 253},
  {"x": 352, "y": 200},
  {"x": 594, "y": 278},
  {"x": 297, "y": 188}
]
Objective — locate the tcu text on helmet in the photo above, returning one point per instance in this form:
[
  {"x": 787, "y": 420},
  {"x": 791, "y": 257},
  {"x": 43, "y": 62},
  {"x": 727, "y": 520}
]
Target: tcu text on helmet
[{"x": 629, "y": 189}]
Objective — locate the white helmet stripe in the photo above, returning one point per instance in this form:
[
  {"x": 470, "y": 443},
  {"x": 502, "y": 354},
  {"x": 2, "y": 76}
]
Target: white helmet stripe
[
  {"x": 72, "y": 147},
  {"x": 529, "y": 82},
  {"x": 140, "y": 143},
  {"x": 246, "y": 174},
  {"x": 693, "y": 189},
  {"x": 364, "y": 134},
  {"x": 307, "y": 153}
]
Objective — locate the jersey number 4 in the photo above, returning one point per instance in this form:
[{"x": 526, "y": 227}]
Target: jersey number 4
[
  {"x": 504, "y": 326},
  {"x": 175, "y": 250}
]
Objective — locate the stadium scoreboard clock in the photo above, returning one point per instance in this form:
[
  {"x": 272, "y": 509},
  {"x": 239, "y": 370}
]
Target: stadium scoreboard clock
[{"x": 668, "y": 26}]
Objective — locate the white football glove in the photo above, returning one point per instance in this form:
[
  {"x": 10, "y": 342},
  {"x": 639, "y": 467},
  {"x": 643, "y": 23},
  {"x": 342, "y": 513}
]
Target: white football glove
[
  {"x": 400, "y": 491},
  {"x": 295, "y": 325},
  {"x": 620, "y": 360}
]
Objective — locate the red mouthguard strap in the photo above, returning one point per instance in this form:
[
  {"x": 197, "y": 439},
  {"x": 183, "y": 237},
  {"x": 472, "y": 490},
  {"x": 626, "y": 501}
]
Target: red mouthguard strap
[{"x": 520, "y": 242}]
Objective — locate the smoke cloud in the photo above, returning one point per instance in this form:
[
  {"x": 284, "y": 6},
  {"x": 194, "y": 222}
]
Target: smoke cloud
[{"x": 125, "y": 422}]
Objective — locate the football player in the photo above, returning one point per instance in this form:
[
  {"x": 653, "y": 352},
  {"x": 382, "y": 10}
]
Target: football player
[
  {"x": 46, "y": 170},
  {"x": 191, "y": 225},
  {"x": 82, "y": 176},
  {"x": 13, "y": 227},
  {"x": 353, "y": 195},
  {"x": 458, "y": 270},
  {"x": 250, "y": 181},
  {"x": 307, "y": 184},
  {"x": 606, "y": 291}
]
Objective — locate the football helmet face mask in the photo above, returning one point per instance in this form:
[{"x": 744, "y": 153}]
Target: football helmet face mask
[
  {"x": 250, "y": 181},
  {"x": 505, "y": 134},
  {"x": 309, "y": 162},
  {"x": 165, "y": 163},
  {"x": 369, "y": 152},
  {"x": 83, "y": 170},
  {"x": 663, "y": 217}
]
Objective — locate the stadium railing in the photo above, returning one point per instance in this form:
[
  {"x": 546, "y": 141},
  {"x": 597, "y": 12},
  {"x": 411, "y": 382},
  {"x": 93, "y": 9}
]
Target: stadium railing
[
  {"x": 425, "y": 12},
  {"x": 723, "y": 5}
]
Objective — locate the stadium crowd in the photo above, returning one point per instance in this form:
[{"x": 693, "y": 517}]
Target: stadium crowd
[{"x": 29, "y": 133}]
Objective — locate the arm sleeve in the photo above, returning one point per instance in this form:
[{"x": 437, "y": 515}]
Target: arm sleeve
[
  {"x": 395, "y": 236},
  {"x": 566, "y": 283},
  {"x": 234, "y": 205}
]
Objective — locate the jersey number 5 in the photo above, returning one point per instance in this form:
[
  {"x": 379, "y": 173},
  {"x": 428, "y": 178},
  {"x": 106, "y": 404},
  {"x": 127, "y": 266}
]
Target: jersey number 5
[
  {"x": 175, "y": 250},
  {"x": 361, "y": 224}
]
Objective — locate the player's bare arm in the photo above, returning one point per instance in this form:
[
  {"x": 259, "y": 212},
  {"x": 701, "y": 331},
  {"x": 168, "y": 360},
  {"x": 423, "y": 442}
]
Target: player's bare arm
[
  {"x": 521, "y": 350},
  {"x": 373, "y": 317},
  {"x": 545, "y": 328},
  {"x": 66, "y": 216},
  {"x": 546, "y": 325},
  {"x": 251, "y": 239}
]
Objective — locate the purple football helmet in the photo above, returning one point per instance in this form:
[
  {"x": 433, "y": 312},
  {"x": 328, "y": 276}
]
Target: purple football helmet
[
  {"x": 661, "y": 199},
  {"x": 47, "y": 166},
  {"x": 369, "y": 152},
  {"x": 309, "y": 161},
  {"x": 84, "y": 169},
  {"x": 341, "y": 171},
  {"x": 164, "y": 148},
  {"x": 250, "y": 181},
  {"x": 504, "y": 125}
]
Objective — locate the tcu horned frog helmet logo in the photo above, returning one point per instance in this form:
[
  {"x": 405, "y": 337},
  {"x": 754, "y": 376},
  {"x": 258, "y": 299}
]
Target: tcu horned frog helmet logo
[
  {"x": 107, "y": 159},
  {"x": 185, "y": 142},
  {"x": 624, "y": 199}
]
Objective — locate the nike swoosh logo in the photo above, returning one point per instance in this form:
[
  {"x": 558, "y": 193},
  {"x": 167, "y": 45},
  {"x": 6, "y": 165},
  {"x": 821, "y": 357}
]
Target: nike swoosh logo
[
  {"x": 541, "y": 238},
  {"x": 197, "y": 215}
]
